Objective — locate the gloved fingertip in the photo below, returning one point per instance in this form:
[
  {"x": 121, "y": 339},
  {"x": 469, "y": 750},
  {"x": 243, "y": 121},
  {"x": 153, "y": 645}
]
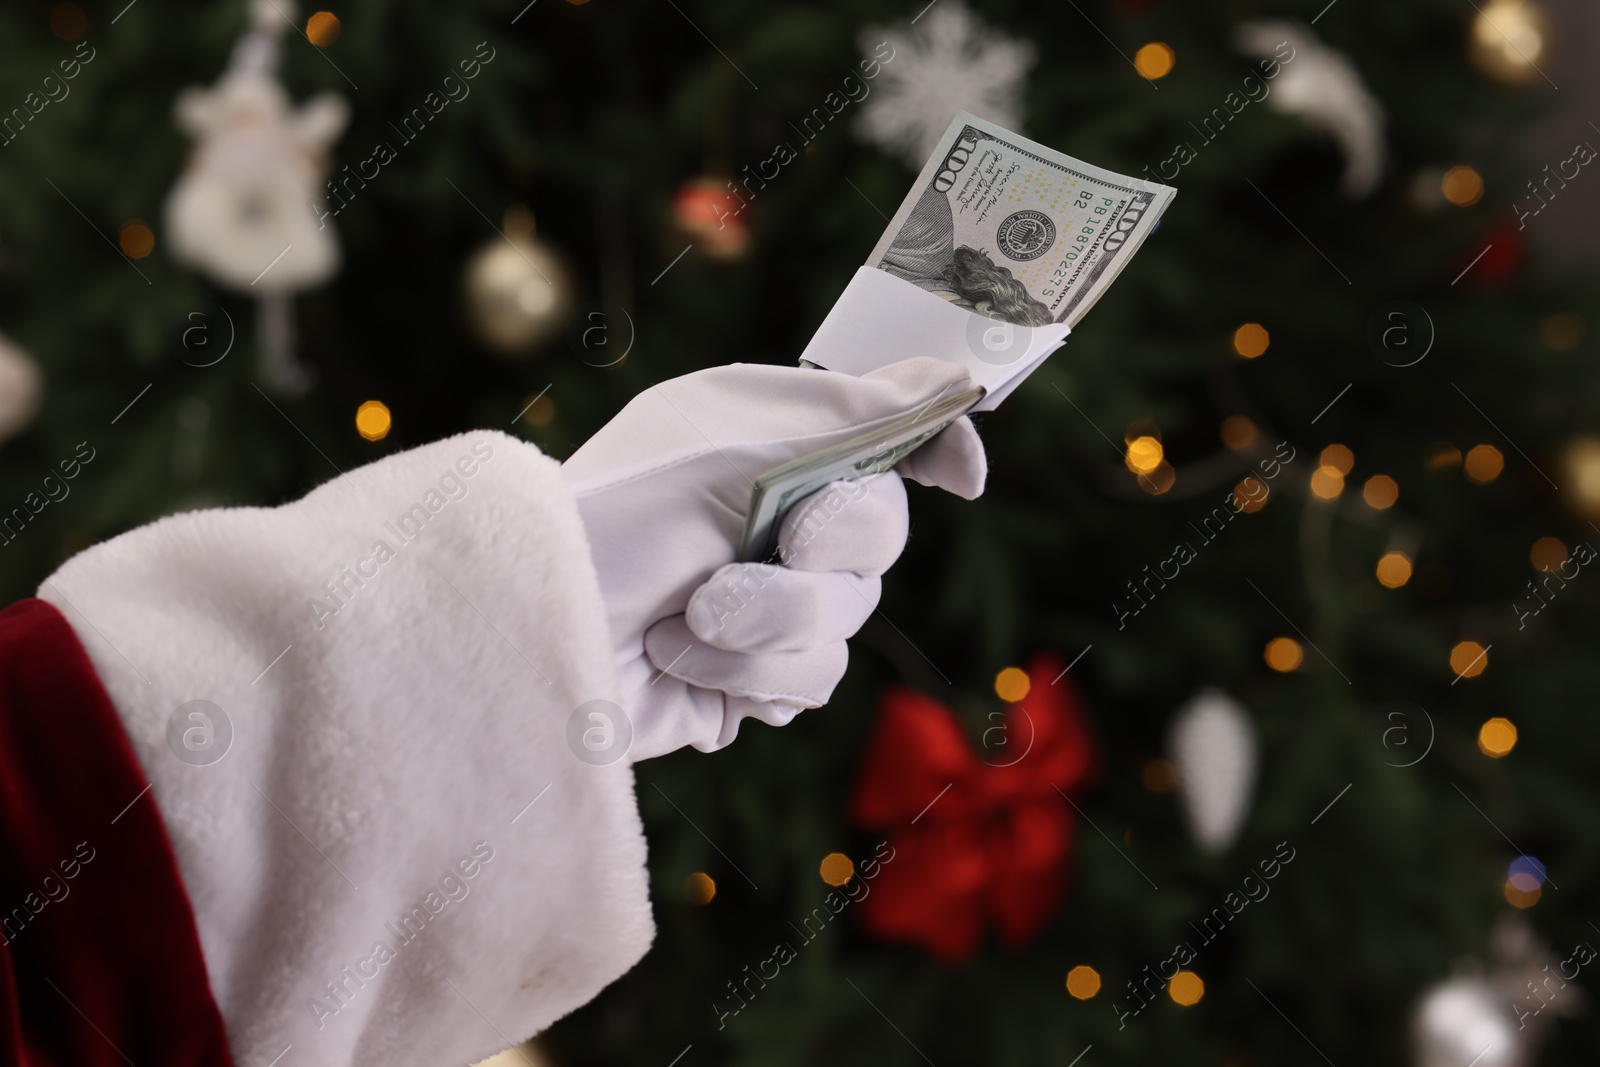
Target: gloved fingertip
[{"x": 953, "y": 461}]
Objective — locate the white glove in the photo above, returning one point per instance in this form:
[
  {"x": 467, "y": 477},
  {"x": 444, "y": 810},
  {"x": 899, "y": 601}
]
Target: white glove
[{"x": 703, "y": 642}]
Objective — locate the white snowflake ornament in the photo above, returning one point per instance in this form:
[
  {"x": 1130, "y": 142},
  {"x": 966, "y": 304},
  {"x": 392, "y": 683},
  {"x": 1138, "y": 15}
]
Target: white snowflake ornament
[
  {"x": 1323, "y": 87},
  {"x": 941, "y": 62},
  {"x": 1214, "y": 749}
]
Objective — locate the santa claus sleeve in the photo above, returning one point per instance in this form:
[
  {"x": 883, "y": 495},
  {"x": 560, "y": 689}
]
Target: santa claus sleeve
[{"x": 365, "y": 839}]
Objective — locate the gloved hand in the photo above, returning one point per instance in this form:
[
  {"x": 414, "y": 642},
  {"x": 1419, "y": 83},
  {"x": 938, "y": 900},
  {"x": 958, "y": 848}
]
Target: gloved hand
[{"x": 703, "y": 642}]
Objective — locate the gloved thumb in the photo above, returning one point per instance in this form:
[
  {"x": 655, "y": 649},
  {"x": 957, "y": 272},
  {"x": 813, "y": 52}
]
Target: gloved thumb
[{"x": 953, "y": 461}]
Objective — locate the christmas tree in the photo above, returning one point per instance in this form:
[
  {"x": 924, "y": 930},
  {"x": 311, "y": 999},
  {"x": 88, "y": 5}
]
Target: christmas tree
[{"x": 1322, "y": 450}]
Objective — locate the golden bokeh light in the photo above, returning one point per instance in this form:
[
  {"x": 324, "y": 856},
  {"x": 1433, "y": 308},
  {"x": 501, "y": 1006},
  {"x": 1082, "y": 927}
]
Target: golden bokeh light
[
  {"x": 323, "y": 28},
  {"x": 1522, "y": 898},
  {"x": 1159, "y": 480},
  {"x": 1469, "y": 659},
  {"x": 373, "y": 420},
  {"x": 836, "y": 868},
  {"x": 1238, "y": 432},
  {"x": 1443, "y": 456},
  {"x": 1562, "y": 332},
  {"x": 1083, "y": 981},
  {"x": 1158, "y": 775},
  {"x": 1327, "y": 483},
  {"x": 1380, "y": 492},
  {"x": 1484, "y": 464},
  {"x": 1186, "y": 988},
  {"x": 1339, "y": 457},
  {"x": 1462, "y": 186},
  {"x": 68, "y": 22},
  {"x": 700, "y": 888},
  {"x": 1394, "y": 569},
  {"x": 1497, "y": 737},
  {"x": 1251, "y": 340},
  {"x": 1548, "y": 553},
  {"x": 136, "y": 239},
  {"x": 1155, "y": 60},
  {"x": 1283, "y": 654},
  {"x": 1012, "y": 684},
  {"x": 1144, "y": 455},
  {"x": 1250, "y": 495},
  {"x": 539, "y": 410}
]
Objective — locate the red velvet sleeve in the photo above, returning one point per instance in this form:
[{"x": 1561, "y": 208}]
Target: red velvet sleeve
[{"x": 100, "y": 961}]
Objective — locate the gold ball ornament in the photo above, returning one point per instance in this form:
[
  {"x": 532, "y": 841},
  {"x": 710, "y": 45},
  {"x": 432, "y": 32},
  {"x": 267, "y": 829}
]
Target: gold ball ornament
[
  {"x": 1580, "y": 486},
  {"x": 21, "y": 389},
  {"x": 527, "y": 1054},
  {"x": 1511, "y": 40},
  {"x": 517, "y": 289}
]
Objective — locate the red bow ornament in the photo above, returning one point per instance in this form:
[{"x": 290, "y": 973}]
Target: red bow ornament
[{"x": 978, "y": 839}]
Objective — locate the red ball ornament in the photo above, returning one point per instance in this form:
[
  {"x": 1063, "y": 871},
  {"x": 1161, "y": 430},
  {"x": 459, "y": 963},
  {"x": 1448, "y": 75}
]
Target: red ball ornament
[
  {"x": 1502, "y": 250},
  {"x": 706, "y": 211}
]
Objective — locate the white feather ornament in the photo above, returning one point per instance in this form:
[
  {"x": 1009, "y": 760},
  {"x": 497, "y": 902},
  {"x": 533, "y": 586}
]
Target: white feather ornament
[
  {"x": 1213, "y": 746},
  {"x": 1323, "y": 87}
]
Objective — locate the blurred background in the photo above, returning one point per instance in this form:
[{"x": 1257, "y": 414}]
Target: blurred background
[{"x": 1299, "y": 790}]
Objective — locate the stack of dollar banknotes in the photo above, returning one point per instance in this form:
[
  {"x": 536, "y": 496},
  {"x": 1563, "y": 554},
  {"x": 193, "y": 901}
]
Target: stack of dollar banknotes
[{"x": 999, "y": 249}]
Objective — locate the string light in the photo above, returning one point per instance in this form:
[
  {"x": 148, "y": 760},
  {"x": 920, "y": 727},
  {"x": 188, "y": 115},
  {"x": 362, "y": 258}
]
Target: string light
[
  {"x": 1526, "y": 873},
  {"x": 1012, "y": 684},
  {"x": 1497, "y": 737},
  {"x": 700, "y": 888},
  {"x": 1238, "y": 432},
  {"x": 1155, "y": 60},
  {"x": 373, "y": 420},
  {"x": 1562, "y": 332},
  {"x": 68, "y": 22},
  {"x": 323, "y": 28},
  {"x": 1251, "y": 340},
  {"x": 1548, "y": 553},
  {"x": 1158, "y": 775},
  {"x": 1186, "y": 988},
  {"x": 1522, "y": 898},
  {"x": 1144, "y": 455},
  {"x": 1462, "y": 186},
  {"x": 1443, "y": 456},
  {"x": 836, "y": 868},
  {"x": 1484, "y": 464},
  {"x": 538, "y": 410},
  {"x": 1284, "y": 654},
  {"x": 136, "y": 239},
  {"x": 1327, "y": 483},
  {"x": 1394, "y": 569},
  {"x": 1380, "y": 492},
  {"x": 1469, "y": 659},
  {"x": 1159, "y": 480},
  {"x": 1083, "y": 981},
  {"x": 1250, "y": 495},
  {"x": 1339, "y": 457}
]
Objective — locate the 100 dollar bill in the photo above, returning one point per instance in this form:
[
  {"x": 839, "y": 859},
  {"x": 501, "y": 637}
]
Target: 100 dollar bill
[
  {"x": 1012, "y": 230},
  {"x": 1003, "y": 227}
]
